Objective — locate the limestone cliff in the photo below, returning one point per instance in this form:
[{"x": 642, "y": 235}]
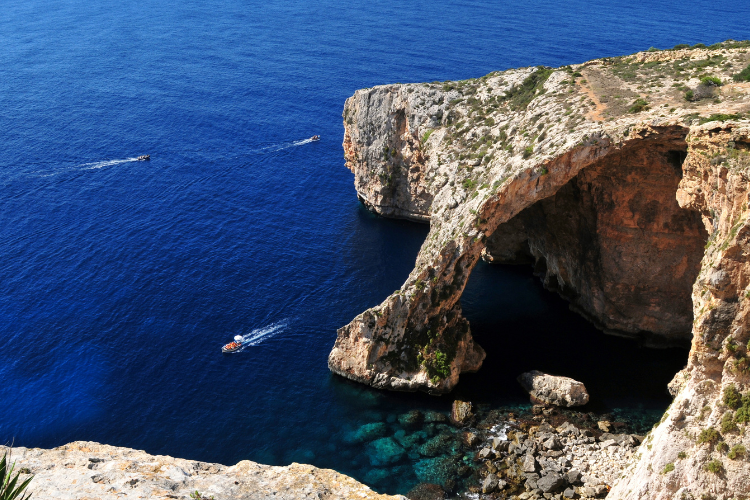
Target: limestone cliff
[
  {"x": 85, "y": 470},
  {"x": 621, "y": 179}
]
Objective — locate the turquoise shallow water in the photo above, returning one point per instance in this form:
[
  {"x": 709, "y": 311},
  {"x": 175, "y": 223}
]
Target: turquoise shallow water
[{"x": 122, "y": 279}]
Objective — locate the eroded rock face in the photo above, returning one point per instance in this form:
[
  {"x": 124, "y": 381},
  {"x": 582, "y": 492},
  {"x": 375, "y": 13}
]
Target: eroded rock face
[
  {"x": 615, "y": 243},
  {"x": 535, "y": 165},
  {"x": 553, "y": 390},
  {"x": 695, "y": 440},
  {"x": 91, "y": 470}
]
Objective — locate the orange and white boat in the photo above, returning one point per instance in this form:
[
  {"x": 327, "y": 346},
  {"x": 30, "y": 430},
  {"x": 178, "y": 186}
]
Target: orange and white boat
[{"x": 233, "y": 346}]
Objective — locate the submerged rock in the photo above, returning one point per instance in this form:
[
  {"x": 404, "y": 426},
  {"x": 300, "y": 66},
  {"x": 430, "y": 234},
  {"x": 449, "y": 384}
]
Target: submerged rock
[
  {"x": 368, "y": 432},
  {"x": 385, "y": 451},
  {"x": 426, "y": 491},
  {"x": 437, "y": 470},
  {"x": 438, "y": 445},
  {"x": 553, "y": 390},
  {"x": 411, "y": 420}
]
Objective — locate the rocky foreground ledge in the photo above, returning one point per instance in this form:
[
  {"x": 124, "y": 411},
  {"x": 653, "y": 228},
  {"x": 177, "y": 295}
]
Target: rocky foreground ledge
[{"x": 88, "y": 471}]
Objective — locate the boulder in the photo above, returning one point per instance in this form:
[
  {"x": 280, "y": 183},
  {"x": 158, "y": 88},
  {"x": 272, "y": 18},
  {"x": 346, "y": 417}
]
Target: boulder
[
  {"x": 553, "y": 390},
  {"x": 569, "y": 493},
  {"x": 461, "y": 413},
  {"x": 553, "y": 443},
  {"x": 489, "y": 484},
  {"x": 551, "y": 483},
  {"x": 604, "y": 425},
  {"x": 469, "y": 438},
  {"x": 529, "y": 464},
  {"x": 573, "y": 476}
]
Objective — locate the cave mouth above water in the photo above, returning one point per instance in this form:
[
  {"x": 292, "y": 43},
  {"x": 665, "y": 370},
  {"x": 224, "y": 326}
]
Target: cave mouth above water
[
  {"x": 614, "y": 242},
  {"x": 522, "y": 326}
]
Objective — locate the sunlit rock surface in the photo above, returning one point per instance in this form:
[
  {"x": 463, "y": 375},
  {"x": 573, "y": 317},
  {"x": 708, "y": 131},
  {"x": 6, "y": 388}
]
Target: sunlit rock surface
[{"x": 86, "y": 470}]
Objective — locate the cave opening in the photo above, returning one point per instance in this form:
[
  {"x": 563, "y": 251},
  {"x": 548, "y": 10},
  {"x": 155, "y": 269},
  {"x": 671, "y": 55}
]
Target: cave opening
[{"x": 615, "y": 253}]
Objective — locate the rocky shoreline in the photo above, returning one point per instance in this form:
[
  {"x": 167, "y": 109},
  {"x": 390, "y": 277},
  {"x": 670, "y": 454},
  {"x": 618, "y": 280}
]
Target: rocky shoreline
[
  {"x": 550, "y": 453},
  {"x": 492, "y": 453}
]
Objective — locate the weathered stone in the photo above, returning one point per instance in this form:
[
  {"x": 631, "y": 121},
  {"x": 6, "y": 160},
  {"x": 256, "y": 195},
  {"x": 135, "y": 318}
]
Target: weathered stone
[
  {"x": 132, "y": 474},
  {"x": 500, "y": 445},
  {"x": 604, "y": 425},
  {"x": 553, "y": 443},
  {"x": 569, "y": 493},
  {"x": 529, "y": 464},
  {"x": 489, "y": 484},
  {"x": 573, "y": 476},
  {"x": 551, "y": 483},
  {"x": 469, "y": 438},
  {"x": 461, "y": 413},
  {"x": 554, "y": 390},
  {"x": 486, "y": 453}
]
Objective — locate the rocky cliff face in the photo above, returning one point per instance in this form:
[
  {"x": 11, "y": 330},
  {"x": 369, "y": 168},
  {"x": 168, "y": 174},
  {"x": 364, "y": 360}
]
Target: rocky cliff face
[
  {"x": 84, "y": 470},
  {"x": 630, "y": 201}
]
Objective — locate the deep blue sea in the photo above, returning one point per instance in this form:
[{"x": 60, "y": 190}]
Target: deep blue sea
[{"x": 121, "y": 280}]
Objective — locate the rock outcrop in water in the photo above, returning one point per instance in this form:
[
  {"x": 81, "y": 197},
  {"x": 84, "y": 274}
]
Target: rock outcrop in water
[
  {"x": 85, "y": 470},
  {"x": 630, "y": 201}
]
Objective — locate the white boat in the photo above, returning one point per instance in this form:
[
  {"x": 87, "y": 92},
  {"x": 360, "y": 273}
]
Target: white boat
[{"x": 143, "y": 158}]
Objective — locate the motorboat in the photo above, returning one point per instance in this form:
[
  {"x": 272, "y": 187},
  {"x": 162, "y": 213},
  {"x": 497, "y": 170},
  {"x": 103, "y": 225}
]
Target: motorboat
[
  {"x": 143, "y": 158},
  {"x": 234, "y": 346},
  {"x": 315, "y": 138}
]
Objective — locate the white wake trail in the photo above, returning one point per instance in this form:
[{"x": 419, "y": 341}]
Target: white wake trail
[
  {"x": 107, "y": 163},
  {"x": 261, "y": 334}
]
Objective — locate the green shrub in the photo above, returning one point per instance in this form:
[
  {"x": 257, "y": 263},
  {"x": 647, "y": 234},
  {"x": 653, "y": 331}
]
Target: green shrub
[
  {"x": 489, "y": 121},
  {"x": 699, "y": 46},
  {"x": 709, "y": 81},
  {"x": 681, "y": 46},
  {"x": 714, "y": 466},
  {"x": 668, "y": 468},
  {"x": 652, "y": 49},
  {"x": 10, "y": 489},
  {"x": 521, "y": 95},
  {"x": 709, "y": 435},
  {"x": 638, "y": 106},
  {"x": 426, "y": 135},
  {"x": 528, "y": 151},
  {"x": 469, "y": 184},
  {"x": 737, "y": 451},
  {"x": 732, "y": 397},
  {"x": 682, "y": 455},
  {"x": 727, "y": 423},
  {"x": 721, "y": 447},
  {"x": 743, "y": 76},
  {"x": 689, "y": 95}
]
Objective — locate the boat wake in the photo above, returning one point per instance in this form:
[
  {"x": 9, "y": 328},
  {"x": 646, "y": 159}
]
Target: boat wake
[
  {"x": 260, "y": 335},
  {"x": 107, "y": 163},
  {"x": 94, "y": 165}
]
